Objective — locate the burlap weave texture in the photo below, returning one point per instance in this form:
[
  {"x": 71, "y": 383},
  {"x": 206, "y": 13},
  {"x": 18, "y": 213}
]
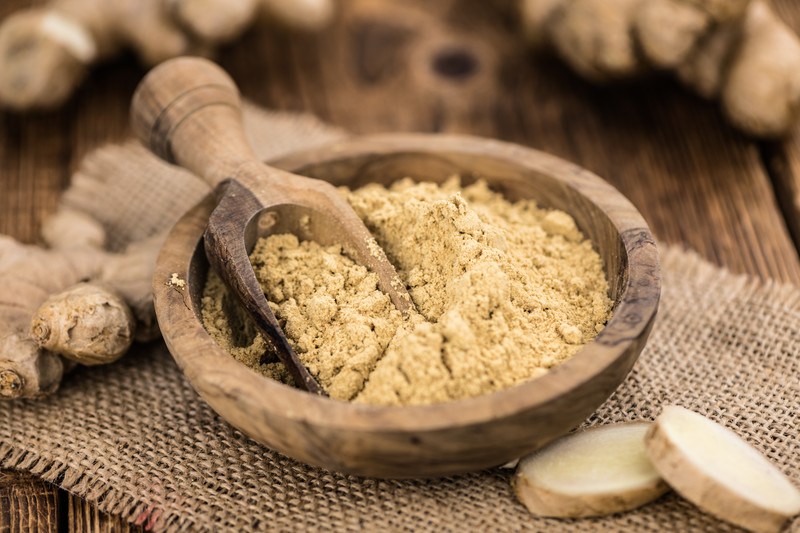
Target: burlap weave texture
[
  {"x": 136, "y": 195},
  {"x": 134, "y": 438}
]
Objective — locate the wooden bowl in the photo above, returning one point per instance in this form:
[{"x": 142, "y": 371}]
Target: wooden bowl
[{"x": 447, "y": 438}]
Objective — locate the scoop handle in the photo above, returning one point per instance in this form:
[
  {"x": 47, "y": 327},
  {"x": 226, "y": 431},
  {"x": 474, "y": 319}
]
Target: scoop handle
[{"x": 188, "y": 112}]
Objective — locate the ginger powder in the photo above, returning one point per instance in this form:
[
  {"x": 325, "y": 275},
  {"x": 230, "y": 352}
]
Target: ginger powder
[{"x": 503, "y": 292}]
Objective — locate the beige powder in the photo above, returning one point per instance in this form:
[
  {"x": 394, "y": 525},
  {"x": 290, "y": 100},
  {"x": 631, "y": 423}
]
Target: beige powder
[{"x": 503, "y": 292}]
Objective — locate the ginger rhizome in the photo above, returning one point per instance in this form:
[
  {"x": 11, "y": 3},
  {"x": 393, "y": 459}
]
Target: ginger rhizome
[
  {"x": 28, "y": 276},
  {"x": 129, "y": 273},
  {"x": 79, "y": 302},
  {"x": 87, "y": 323},
  {"x": 737, "y": 51},
  {"x": 46, "y": 52}
]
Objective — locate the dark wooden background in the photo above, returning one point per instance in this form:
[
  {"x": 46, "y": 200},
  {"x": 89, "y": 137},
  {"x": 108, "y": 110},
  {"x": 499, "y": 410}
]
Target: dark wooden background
[{"x": 449, "y": 66}]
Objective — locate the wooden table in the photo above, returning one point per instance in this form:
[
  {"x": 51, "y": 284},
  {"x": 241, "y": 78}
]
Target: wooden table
[{"x": 449, "y": 66}]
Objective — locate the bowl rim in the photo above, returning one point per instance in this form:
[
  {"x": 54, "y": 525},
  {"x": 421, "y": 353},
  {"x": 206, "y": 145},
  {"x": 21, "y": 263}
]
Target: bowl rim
[{"x": 632, "y": 318}]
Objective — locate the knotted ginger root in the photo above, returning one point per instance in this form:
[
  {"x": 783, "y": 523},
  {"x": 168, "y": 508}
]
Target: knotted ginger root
[
  {"x": 46, "y": 52},
  {"x": 28, "y": 276},
  {"x": 130, "y": 274},
  {"x": 736, "y": 50},
  {"x": 91, "y": 323},
  {"x": 87, "y": 323}
]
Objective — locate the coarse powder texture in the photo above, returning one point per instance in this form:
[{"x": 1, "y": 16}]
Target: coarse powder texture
[{"x": 503, "y": 292}]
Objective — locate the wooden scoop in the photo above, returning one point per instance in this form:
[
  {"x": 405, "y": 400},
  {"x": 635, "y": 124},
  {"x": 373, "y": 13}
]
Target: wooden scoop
[{"x": 188, "y": 112}]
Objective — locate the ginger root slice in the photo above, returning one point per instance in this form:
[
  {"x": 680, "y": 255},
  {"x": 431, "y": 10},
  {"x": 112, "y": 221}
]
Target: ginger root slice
[
  {"x": 596, "y": 472},
  {"x": 87, "y": 323},
  {"x": 720, "y": 473}
]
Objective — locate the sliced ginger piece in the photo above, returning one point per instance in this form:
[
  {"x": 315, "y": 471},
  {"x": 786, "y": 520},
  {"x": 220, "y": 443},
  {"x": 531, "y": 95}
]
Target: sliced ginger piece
[
  {"x": 600, "y": 471},
  {"x": 720, "y": 473}
]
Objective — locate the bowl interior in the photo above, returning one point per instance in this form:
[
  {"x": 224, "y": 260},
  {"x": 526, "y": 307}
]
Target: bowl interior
[{"x": 509, "y": 422}]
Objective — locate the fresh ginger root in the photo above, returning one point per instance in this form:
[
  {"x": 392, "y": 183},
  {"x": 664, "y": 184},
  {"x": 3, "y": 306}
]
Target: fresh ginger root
[
  {"x": 48, "y": 309},
  {"x": 87, "y": 323},
  {"x": 736, "y": 50},
  {"x": 598, "y": 36},
  {"x": 130, "y": 273},
  {"x": 28, "y": 276},
  {"x": 46, "y": 52},
  {"x": 762, "y": 90}
]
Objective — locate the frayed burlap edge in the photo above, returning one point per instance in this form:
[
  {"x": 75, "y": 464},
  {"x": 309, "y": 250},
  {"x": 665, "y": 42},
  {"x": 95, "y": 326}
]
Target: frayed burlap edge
[{"x": 73, "y": 480}]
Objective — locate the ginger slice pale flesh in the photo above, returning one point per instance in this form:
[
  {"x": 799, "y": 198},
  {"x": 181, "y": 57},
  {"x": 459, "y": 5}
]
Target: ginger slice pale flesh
[
  {"x": 712, "y": 467},
  {"x": 596, "y": 472}
]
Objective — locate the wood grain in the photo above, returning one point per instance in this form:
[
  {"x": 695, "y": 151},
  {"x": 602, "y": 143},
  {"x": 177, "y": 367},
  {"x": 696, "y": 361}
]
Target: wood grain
[
  {"x": 365, "y": 73},
  {"x": 80, "y": 516},
  {"x": 27, "y": 504}
]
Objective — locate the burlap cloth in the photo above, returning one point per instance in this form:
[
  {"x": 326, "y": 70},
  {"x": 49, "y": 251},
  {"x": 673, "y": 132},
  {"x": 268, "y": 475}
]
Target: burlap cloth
[{"x": 136, "y": 440}]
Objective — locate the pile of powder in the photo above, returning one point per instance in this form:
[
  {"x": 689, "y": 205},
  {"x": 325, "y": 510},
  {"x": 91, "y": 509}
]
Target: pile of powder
[{"x": 503, "y": 292}]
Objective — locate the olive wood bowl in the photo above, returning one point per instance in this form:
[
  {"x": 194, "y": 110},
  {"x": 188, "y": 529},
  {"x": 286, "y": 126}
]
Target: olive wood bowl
[{"x": 446, "y": 438}]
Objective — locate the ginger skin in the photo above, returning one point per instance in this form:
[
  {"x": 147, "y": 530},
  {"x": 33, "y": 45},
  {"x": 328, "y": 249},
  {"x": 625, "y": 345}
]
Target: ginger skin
[
  {"x": 87, "y": 323},
  {"x": 214, "y": 21},
  {"x": 46, "y": 52},
  {"x": 91, "y": 323},
  {"x": 593, "y": 36},
  {"x": 762, "y": 92},
  {"x": 130, "y": 274},
  {"x": 736, "y": 50},
  {"x": 28, "y": 276}
]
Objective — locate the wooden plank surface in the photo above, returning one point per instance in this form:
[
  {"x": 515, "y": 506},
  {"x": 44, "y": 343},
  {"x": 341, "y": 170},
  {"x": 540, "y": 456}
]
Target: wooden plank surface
[
  {"x": 81, "y": 516},
  {"x": 451, "y": 66},
  {"x": 27, "y": 504}
]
